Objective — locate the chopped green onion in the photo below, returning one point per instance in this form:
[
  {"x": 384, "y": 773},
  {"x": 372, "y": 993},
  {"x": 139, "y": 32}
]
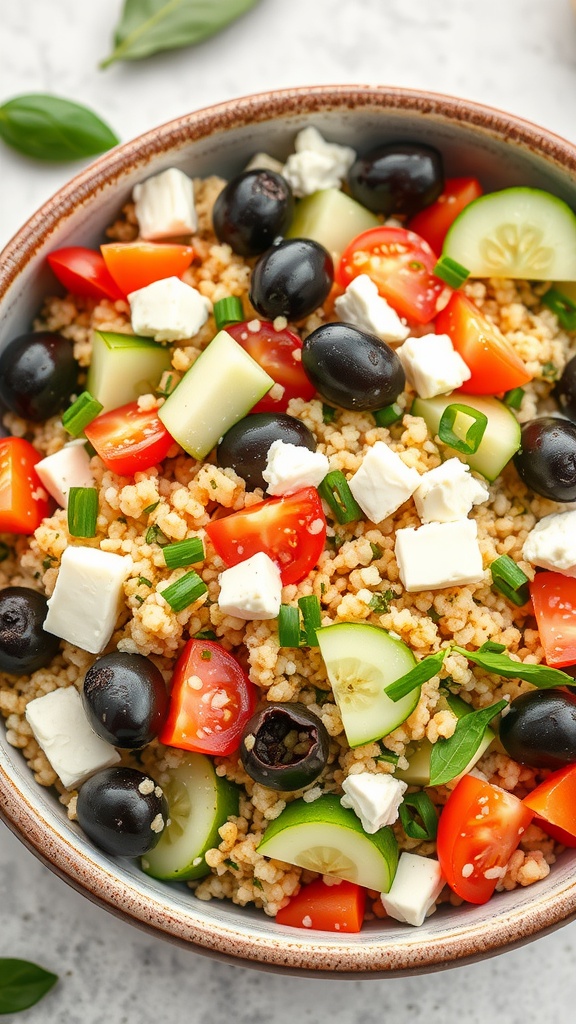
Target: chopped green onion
[
  {"x": 336, "y": 491},
  {"x": 470, "y": 443},
  {"x": 451, "y": 272},
  {"x": 150, "y": 508},
  {"x": 421, "y": 673},
  {"x": 328, "y": 413},
  {"x": 85, "y": 409},
  {"x": 513, "y": 398},
  {"x": 311, "y": 618},
  {"x": 289, "y": 626},
  {"x": 509, "y": 579},
  {"x": 387, "y": 756},
  {"x": 183, "y": 553},
  {"x": 82, "y": 511},
  {"x": 205, "y": 634},
  {"x": 423, "y": 808},
  {"x": 143, "y": 582},
  {"x": 184, "y": 591},
  {"x": 388, "y": 415},
  {"x": 228, "y": 311},
  {"x": 154, "y": 535},
  {"x": 564, "y": 308}
]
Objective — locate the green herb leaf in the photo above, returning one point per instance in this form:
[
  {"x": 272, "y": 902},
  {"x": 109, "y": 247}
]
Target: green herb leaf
[
  {"x": 185, "y": 591},
  {"x": 311, "y": 619},
  {"x": 387, "y": 756},
  {"x": 328, "y": 413},
  {"x": 421, "y": 673},
  {"x": 50, "y": 128},
  {"x": 22, "y": 984},
  {"x": 450, "y": 757},
  {"x": 419, "y": 806},
  {"x": 82, "y": 511},
  {"x": 150, "y": 508},
  {"x": 380, "y": 603},
  {"x": 376, "y": 550},
  {"x": 205, "y": 634},
  {"x": 502, "y": 665}
]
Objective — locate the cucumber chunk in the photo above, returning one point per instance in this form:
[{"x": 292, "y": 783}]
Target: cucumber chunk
[
  {"x": 199, "y": 803},
  {"x": 331, "y": 218},
  {"x": 361, "y": 661},
  {"x": 501, "y": 437},
  {"x": 519, "y": 233},
  {"x": 418, "y": 771},
  {"x": 324, "y": 836},
  {"x": 218, "y": 390},
  {"x": 123, "y": 367}
]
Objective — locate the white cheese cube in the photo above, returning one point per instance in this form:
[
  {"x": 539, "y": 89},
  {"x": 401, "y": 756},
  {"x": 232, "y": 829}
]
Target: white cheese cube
[
  {"x": 316, "y": 164},
  {"x": 164, "y": 205},
  {"x": 252, "y": 589},
  {"x": 383, "y": 483},
  {"x": 552, "y": 543},
  {"x": 448, "y": 492},
  {"x": 416, "y": 887},
  {"x": 264, "y": 162},
  {"x": 70, "y": 467},
  {"x": 362, "y": 306},
  {"x": 84, "y": 606},
  {"x": 61, "y": 728},
  {"x": 432, "y": 365},
  {"x": 375, "y": 799},
  {"x": 439, "y": 555},
  {"x": 168, "y": 310},
  {"x": 290, "y": 467}
]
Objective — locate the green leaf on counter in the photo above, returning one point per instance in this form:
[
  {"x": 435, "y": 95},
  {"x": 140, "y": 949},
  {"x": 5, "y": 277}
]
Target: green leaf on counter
[
  {"x": 449, "y": 758},
  {"x": 51, "y": 128},
  {"x": 22, "y": 984}
]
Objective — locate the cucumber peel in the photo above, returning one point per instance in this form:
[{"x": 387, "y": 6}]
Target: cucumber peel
[{"x": 501, "y": 438}]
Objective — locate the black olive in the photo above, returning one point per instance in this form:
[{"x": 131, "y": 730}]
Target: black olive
[
  {"x": 352, "y": 368},
  {"x": 125, "y": 699},
  {"x": 546, "y": 461},
  {"x": 540, "y": 729},
  {"x": 24, "y": 644},
  {"x": 565, "y": 390},
  {"x": 292, "y": 279},
  {"x": 252, "y": 210},
  {"x": 284, "y": 746},
  {"x": 38, "y": 373},
  {"x": 245, "y": 446},
  {"x": 122, "y": 811},
  {"x": 397, "y": 178}
]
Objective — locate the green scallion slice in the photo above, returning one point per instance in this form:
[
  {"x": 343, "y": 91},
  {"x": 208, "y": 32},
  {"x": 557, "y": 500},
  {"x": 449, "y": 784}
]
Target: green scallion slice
[
  {"x": 311, "y": 618},
  {"x": 470, "y": 442},
  {"x": 564, "y": 308},
  {"x": 184, "y": 591},
  {"x": 183, "y": 553},
  {"x": 85, "y": 409},
  {"x": 388, "y": 415},
  {"x": 228, "y": 311},
  {"x": 419, "y": 806},
  {"x": 82, "y": 511},
  {"x": 450, "y": 271},
  {"x": 509, "y": 579},
  {"x": 335, "y": 490},
  {"x": 513, "y": 398},
  {"x": 289, "y": 626},
  {"x": 328, "y": 413},
  {"x": 421, "y": 673}
]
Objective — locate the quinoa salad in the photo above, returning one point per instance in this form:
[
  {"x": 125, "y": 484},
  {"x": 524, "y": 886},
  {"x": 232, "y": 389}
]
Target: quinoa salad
[{"x": 288, "y": 573}]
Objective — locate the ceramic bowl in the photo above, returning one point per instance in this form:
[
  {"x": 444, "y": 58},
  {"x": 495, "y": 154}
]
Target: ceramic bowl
[{"x": 499, "y": 149}]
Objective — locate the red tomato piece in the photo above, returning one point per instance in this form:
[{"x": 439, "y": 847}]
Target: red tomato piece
[
  {"x": 129, "y": 439},
  {"x": 135, "y": 265},
  {"x": 210, "y": 717},
  {"x": 279, "y": 353},
  {"x": 554, "y": 599},
  {"x": 290, "y": 530},
  {"x": 433, "y": 222},
  {"x": 326, "y": 908},
  {"x": 400, "y": 264},
  {"x": 554, "y": 804},
  {"x": 480, "y": 827},
  {"x": 492, "y": 361},
  {"x": 83, "y": 272},
  {"x": 23, "y": 500}
]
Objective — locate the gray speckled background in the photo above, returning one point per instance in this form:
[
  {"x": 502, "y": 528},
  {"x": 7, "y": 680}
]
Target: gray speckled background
[{"x": 519, "y": 55}]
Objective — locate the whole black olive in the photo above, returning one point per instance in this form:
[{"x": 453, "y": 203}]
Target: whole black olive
[
  {"x": 252, "y": 210},
  {"x": 397, "y": 178},
  {"x": 292, "y": 279},
  {"x": 565, "y": 390},
  {"x": 352, "y": 368},
  {"x": 125, "y": 699},
  {"x": 284, "y": 747},
  {"x": 245, "y": 446},
  {"x": 122, "y": 811},
  {"x": 38, "y": 373},
  {"x": 24, "y": 644},
  {"x": 546, "y": 461},
  {"x": 540, "y": 729}
]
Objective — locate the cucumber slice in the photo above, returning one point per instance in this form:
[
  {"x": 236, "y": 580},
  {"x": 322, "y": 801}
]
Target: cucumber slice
[
  {"x": 362, "y": 661},
  {"x": 331, "y": 218},
  {"x": 218, "y": 390},
  {"x": 418, "y": 771},
  {"x": 518, "y": 232},
  {"x": 501, "y": 437},
  {"x": 199, "y": 803},
  {"x": 324, "y": 836},
  {"x": 123, "y": 367}
]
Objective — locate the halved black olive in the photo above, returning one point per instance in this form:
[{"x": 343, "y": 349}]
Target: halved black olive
[{"x": 284, "y": 747}]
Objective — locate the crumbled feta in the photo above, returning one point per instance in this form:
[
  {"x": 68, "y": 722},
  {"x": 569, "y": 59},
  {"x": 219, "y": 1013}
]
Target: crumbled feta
[
  {"x": 61, "y": 728},
  {"x": 552, "y": 543},
  {"x": 290, "y": 467},
  {"x": 439, "y": 555},
  {"x": 362, "y": 306},
  {"x": 264, "y": 162},
  {"x": 84, "y": 606},
  {"x": 448, "y": 492},
  {"x": 375, "y": 799},
  {"x": 252, "y": 589},
  {"x": 416, "y": 887},
  {"x": 164, "y": 205},
  {"x": 316, "y": 164},
  {"x": 70, "y": 467},
  {"x": 383, "y": 483},
  {"x": 432, "y": 365},
  {"x": 168, "y": 310}
]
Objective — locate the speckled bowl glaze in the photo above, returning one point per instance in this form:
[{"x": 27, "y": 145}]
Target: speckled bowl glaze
[{"x": 499, "y": 149}]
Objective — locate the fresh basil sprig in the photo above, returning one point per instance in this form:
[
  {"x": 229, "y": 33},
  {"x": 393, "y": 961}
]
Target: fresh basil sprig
[
  {"x": 449, "y": 758},
  {"x": 421, "y": 673},
  {"x": 22, "y": 984},
  {"x": 51, "y": 128},
  {"x": 502, "y": 665}
]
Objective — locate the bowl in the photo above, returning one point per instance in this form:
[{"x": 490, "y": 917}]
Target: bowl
[{"x": 501, "y": 150}]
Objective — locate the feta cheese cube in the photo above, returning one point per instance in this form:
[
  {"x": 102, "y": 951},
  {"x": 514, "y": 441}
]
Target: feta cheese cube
[
  {"x": 432, "y": 365},
  {"x": 552, "y": 543},
  {"x": 290, "y": 467},
  {"x": 383, "y": 483},
  {"x": 84, "y": 606},
  {"x": 252, "y": 589},
  {"x": 375, "y": 799},
  {"x": 164, "y": 205},
  {"x": 70, "y": 467},
  {"x": 416, "y": 887},
  {"x": 168, "y": 310},
  {"x": 62, "y": 729},
  {"x": 439, "y": 555},
  {"x": 316, "y": 164},
  {"x": 448, "y": 492},
  {"x": 264, "y": 162},
  {"x": 362, "y": 306}
]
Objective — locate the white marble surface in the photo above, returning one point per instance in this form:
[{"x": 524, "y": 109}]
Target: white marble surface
[{"x": 519, "y": 55}]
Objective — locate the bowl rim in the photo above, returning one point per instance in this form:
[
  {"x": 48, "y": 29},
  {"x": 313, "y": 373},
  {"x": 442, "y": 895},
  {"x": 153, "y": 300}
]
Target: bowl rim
[{"x": 304, "y": 954}]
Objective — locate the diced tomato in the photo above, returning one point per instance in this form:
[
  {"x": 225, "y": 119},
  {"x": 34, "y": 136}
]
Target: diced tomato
[
  {"x": 280, "y": 354},
  {"x": 492, "y": 361},
  {"x": 135, "y": 265},
  {"x": 83, "y": 272},
  {"x": 433, "y": 222},
  {"x": 480, "y": 827},
  {"x": 326, "y": 908},
  {"x": 554, "y": 599},
  {"x": 129, "y": 439},
  {"x": 290, "y": 530},
  {"x": 554, "y": 804},
  {"x": 400, "y": 263},
  {"x": 23, "y": 500},
  {"x": 211, "y": 700}
]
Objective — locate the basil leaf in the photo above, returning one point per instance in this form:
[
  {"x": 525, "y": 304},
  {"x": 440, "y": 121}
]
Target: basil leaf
[
  {"x": 149, "y": 26},
  {"x": 421, "y": 673},
  {"x": 50, "y": 128},
  {"x": 414, "y": 806},
  {"x": 502, "y": 665},
  {"x": 448, "y": 758},
  {"x": 22, "y": 984}
]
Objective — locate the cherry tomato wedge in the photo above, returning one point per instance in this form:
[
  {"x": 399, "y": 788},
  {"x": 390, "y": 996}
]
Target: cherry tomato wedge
[
  {"x": 433, "y": 222},
  {"x": 400, "y": 264},
  {"x": 554, "y": 599},
  {"x": 23, "y": 500},
  {"x": 554, "y": 804},
  {"x": 135, "y": 265},
  {"x": 83, "y": 272},
  {"x": 479, "y": 829},
  {"x": 211, "y": 700},
  {"x": 494, "y": 365},
  {"x": 290, "y": 530},
  {"x": 279, "y": 353},
  {"x": 326, "y": 908},
  {"x": 129, "y": 439}
]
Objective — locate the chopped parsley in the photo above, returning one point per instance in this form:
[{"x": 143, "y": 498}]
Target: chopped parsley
[
  {"x": 150, "y": 508},
  {"x": 380, "y": 603}
]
